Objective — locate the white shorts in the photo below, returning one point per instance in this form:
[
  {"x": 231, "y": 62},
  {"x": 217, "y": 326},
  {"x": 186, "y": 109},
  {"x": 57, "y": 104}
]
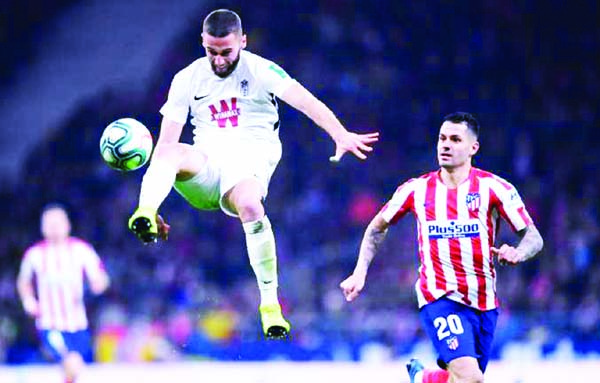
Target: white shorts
[{"x": 226, "y": 166}]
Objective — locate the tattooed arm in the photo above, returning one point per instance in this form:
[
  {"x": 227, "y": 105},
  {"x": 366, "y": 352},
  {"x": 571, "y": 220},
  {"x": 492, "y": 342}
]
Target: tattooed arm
[
  {"x": 530, "y": 244},
  {"x": 372, "y": 240}
]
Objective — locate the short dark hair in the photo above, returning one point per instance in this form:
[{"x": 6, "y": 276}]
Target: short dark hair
[
  {"x": 222, "y": 22},
  {"x": 468, "y": 118}
]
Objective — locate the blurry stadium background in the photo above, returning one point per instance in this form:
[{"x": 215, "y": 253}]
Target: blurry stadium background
[{"x": 529, "y": 70}]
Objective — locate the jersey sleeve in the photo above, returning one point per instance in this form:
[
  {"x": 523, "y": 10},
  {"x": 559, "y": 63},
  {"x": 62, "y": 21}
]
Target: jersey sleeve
[
  {"x": 274, "y": 79},
  {"x": 401, "y": 203},
  {"x": 91, "y": 262},
  {"x": 27, "y": 267},
  {"x": 510, "y": 206},
  {"x": 177, "y": 106}
]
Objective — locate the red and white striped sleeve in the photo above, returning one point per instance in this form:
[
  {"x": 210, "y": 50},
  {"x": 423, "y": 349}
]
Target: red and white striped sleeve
[
  {"x": 401, "y": 203},
  {"x": 91, "y": 262},
  {"x": 27, "y": 268},
  {"x": 509, "y": 204}
]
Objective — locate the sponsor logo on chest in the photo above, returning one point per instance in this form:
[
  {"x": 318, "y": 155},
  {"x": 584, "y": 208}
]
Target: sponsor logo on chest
[
  {"x": 228, "y": 112},
  {"x": 453, "y": 229}
]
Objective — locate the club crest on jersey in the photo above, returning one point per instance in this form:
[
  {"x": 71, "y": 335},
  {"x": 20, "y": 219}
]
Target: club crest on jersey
[
  {"x": 473, "y": 201},
  {"x": 227, "y": 113},
  {"x": 244, "y": 87},
  {"x": 452, "y": 343}
]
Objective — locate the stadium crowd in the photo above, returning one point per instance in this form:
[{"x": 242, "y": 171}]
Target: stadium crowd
[{"x": 531, "y": 78}]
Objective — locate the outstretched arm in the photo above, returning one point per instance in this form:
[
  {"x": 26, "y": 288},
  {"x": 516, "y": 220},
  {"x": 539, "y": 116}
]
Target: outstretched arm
[
  {"x": 371, "y": 242},
  {"x": 530, "y": 244},
  {"x": 358, "y": 144}
]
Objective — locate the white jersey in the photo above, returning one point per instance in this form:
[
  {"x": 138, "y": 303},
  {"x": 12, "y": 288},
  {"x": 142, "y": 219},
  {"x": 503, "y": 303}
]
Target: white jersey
[
  {"x": 59, "y": 271},
  {"x": 242, "y": 105}
]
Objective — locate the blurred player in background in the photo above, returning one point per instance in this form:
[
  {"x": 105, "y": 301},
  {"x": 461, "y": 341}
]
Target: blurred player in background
[
  {"x": 58, "y": 264},
  {"x": 457, "y": 209},
  {"x": 232, "y": 97}
]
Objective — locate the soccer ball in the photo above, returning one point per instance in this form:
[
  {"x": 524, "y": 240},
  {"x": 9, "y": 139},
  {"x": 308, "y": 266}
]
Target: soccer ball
[{"x": 126, "y": 144}]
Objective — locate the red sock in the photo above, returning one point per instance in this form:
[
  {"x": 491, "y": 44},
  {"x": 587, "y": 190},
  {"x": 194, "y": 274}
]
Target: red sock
[{"x": 435, "y": 376}]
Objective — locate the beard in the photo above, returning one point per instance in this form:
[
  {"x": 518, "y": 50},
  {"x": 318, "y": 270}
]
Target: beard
[{"x": 226, "y": 71}]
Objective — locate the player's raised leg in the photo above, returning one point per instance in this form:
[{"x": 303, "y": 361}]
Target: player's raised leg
[
  {"x": 246, "y": 199},
  {"x": 169, "y": 162}
]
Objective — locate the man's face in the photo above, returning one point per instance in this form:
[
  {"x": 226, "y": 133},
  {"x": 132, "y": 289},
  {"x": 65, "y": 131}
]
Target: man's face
[
  {"x": 223, "y": 52},
  {"x": 456, "y": 145},
  {"x": 55, "y": 224}
]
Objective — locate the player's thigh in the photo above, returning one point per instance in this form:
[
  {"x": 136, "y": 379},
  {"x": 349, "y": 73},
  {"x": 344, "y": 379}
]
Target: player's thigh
[
  {"x": 465, "y": 370},
  {"x": 450, "y": 327},
  {"x": 81, "y": 343},
  {"x": 187, "y": 159},
  {"x": 52, "y": 344},
  {"x": 193, "y": 162},
  {"x": 58, "y": 344},
  {"x": 202, "y": 190},
  {"x": 487, "y": 327},
  {"x": 245, "y": 177}
]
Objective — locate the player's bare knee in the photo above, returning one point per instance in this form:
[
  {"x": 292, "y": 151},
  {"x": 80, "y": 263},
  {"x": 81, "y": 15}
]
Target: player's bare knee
[
  {"x": 186, "y": 160},
  {"x": 247, "y": 205},
  {"x": 465, "y": 370},
  {"x": 249, "y": 209},
  {"x": 246, "y": 199},
  {"x": 73, "y": 364},
  {"x": 174, "y": 153}
]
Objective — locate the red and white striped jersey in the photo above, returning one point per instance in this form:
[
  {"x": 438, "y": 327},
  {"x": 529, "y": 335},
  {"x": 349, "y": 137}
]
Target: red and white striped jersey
[
  {"x": 456, "y": 228},
  {"x": 59, "y": 272}
]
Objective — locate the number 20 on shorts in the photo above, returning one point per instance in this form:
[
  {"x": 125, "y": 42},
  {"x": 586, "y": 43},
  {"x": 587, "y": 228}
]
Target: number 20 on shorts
[{"x": 448, "y": 325}]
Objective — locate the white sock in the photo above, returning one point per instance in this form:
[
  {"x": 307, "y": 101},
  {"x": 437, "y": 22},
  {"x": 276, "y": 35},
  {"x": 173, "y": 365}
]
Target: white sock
[
  {"x": 260, "y": 243},
  {"x": 157, "y": 184}
]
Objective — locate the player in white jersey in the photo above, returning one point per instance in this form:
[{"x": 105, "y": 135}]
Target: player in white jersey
[
  {"x": 457, "y": 209},
  {"x": 58, "y": 265},
  {"x": 232, "y": 97}
]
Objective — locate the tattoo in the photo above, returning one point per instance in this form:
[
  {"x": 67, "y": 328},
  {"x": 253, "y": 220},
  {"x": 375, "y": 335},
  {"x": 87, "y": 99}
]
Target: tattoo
[
  {"x": 531, "y": 242},
  {"x": 369, "y": 246}
]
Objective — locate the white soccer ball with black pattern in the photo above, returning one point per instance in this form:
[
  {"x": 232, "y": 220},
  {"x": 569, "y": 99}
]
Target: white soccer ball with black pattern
[{"x": 126, "y": 144}]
